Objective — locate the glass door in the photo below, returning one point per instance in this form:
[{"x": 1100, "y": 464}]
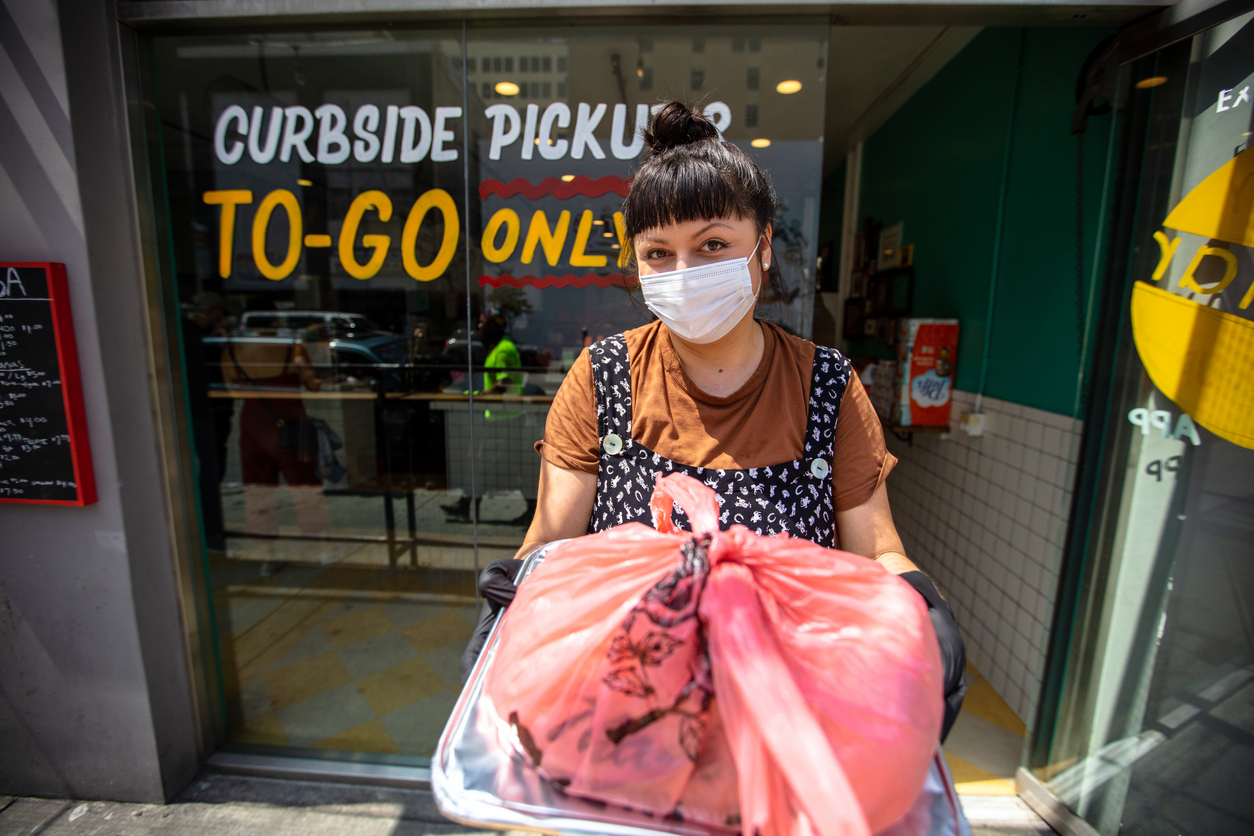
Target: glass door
[
  {"x": 386, "y": 249},
  {"x": 1154, "y": 731}
]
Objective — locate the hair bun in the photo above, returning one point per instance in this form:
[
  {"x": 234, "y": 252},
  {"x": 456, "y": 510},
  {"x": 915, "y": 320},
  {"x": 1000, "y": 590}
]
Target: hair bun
[{"x": 677, "y": 124}]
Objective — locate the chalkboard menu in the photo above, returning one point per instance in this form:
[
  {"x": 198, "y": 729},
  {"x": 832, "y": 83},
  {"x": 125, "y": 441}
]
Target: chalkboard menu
[{"x": 44, "y": 452}]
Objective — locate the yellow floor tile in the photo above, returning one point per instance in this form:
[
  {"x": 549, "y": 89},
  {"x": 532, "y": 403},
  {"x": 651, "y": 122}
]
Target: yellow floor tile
[
  {"x": 264, "y": 729},
  {"x": 291, "y": 684},
  {"x": 400, "y": 685},
  {"x": 997, "y": 786},
  {"x": 368, "y": 737},
  {"x": 969, "y": 779},
  {"x": 984, "y": 702},
  {"x": 267, "y": 641},
  {"x": 437, "y": 631},
  {"x": 356, "y": 626}
]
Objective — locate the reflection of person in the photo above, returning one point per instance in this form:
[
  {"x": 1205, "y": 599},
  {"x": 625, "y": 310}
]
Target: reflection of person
[
  {"x": 709, "y": 390},
  {"x": 211, "y": 417},
  {"x": 276, "y": 436},
  {"x": 502, "y": 354}
]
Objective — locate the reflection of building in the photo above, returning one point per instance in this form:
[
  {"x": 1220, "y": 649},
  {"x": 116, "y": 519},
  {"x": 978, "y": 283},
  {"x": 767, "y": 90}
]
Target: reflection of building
[{"x": 538, "y": 70}]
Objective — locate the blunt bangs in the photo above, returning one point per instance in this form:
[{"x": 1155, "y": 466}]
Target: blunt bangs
[{"x": 704, "y": 179}]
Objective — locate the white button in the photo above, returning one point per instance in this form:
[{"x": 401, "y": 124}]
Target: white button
[
  {"x": 818, "y": 468},
  {"x": 612, "y": 444}
]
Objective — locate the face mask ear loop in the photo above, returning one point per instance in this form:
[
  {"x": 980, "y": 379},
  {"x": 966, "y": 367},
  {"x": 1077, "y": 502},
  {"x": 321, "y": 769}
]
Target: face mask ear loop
[{"x": 761, "y": 284}]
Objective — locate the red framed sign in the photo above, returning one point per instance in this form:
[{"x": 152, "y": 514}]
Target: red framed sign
[{"x": 45, "y": 455}]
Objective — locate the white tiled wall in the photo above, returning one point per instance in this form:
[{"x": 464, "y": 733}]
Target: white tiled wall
[{"x": 986, "y": 518}]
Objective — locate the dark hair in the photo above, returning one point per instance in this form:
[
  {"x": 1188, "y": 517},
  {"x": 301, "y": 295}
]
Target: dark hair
[
  {"x": 690, "y": 173},
  {"x": 494, "y": 327}
]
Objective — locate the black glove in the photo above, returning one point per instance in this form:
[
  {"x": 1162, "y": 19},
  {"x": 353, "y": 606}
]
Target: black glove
[
  {"x": 953, "y": 651},
  {"x": 496, "y": 585}
]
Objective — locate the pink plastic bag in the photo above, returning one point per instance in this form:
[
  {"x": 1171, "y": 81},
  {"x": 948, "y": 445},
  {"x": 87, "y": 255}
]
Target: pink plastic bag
[{"x": 760, "y": 684}]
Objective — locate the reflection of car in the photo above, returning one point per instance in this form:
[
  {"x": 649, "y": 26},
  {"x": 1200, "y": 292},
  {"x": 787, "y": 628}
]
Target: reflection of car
[
  {"x": 337, "y": 360},
  {"x": 338, "y": 324}
]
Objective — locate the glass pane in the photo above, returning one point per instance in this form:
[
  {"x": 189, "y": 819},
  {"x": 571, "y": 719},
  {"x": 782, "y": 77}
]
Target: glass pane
[
  {"x": 547, "y": 252},
  {"x": 334, "y": 333},
  {"x": 1156, "y": 729},
  {"x": 314, "y": 184}
]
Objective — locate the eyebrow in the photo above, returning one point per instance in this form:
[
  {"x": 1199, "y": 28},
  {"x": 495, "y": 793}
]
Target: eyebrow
[{"x": 702, "y": 231}]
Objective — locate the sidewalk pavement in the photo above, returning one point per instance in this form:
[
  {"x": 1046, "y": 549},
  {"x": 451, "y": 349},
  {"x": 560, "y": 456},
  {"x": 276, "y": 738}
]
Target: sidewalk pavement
[{"x": 226, "y": 805}]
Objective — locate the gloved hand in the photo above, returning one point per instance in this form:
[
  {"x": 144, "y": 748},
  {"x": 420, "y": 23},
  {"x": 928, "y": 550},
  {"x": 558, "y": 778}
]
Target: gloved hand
[
  {"x": 953, "y": 650},
  {"x": 496, "y": 585}
]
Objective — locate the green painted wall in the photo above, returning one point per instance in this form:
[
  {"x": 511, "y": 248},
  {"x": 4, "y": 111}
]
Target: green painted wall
[{"x": 937, "y": 164}]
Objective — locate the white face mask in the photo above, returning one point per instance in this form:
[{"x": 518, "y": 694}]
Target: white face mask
[{"x": 701, "y": 304}]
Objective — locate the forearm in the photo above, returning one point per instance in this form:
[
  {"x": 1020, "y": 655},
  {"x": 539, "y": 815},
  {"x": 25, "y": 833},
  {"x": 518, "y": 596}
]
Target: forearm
[
  {"x": 528, "y": 547},
  {"x": 896, "y": 562}
]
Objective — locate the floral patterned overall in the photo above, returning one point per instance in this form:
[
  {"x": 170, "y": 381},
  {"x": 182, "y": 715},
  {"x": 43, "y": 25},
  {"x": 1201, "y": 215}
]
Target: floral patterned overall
[{"x": 791, "y": 497}]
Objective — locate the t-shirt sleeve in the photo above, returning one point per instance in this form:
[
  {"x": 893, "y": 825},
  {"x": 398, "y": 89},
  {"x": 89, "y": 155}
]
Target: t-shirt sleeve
[
  {"x": 861, "y": 462},
  {"x": 570, "y": 438}
]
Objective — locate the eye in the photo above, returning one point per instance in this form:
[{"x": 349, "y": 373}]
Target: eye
[
  {"x": 655, "y": 254},
  {"x": 714, "y": 245}
]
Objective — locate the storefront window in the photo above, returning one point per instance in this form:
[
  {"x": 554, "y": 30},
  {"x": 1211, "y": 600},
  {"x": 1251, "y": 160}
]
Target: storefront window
[
  {"x": 388, "y": 248},
  {"x": 1155, "y": 733}
]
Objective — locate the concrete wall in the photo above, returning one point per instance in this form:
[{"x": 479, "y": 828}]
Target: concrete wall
[{"x": 95, "y": 695}]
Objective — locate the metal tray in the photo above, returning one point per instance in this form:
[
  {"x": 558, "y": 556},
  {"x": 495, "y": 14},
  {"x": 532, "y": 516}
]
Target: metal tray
[{"x": 479, "y": 780}]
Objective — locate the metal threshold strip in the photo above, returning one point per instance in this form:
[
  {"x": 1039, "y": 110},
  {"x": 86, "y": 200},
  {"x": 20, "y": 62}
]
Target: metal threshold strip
[{"x": 320, "y": 769}]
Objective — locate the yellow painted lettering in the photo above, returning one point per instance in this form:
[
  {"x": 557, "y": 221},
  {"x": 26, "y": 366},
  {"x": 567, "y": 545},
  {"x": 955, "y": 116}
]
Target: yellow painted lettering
[
  {"x": 276, "y": 198},
  {"x": 551, "y": 240},
  {"x": 1230, "y": 271},
  {"x": 1247, "y": 298},
  {"x": 433, "y": 199},
  {"x": 1168, "y": 249},
  {"x": 578, "y": 254},
  {"x": 624, "y": 250},
  {"x": 228, "y": 200},
  {"x": 373, "y": 199},
  {"x": 507, "y": 218}
]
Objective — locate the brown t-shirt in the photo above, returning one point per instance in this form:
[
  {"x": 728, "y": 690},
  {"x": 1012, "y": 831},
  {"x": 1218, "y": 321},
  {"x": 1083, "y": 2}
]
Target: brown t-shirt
[{"x": 763, "y": 423}]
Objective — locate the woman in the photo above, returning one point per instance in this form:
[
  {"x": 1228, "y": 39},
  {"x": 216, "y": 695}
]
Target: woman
[
  {"x": 276, "y": 438},
  {"x": 709, "y": 390}
]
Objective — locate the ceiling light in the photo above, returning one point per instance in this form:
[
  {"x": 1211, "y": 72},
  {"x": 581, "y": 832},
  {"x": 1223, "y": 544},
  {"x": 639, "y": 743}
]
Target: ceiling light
[
  {"x": 761, "y": 143},
  {"x": 1147, "y": 83},
  {"x": 788, "y": 87},
  {"x": 509, "y": 88},
  {"x": 566, "y": 178},
  {"x": 599, "y": 222},
  {"x": 304, "y": 182},
  {"x": 607, "y": 235}
]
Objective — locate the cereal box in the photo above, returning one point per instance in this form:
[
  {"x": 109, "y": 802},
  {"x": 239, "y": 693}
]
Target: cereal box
[{"x": 927, "y": 352}]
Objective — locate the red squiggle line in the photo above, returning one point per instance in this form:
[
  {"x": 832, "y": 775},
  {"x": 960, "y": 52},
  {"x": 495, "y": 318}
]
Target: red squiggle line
[
  {"x": 568, "y": 280},
  {"x": 554, "y": 187}
]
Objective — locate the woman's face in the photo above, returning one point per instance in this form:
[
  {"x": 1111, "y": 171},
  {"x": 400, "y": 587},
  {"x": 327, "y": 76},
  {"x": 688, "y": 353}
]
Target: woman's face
[{"x": 694, "y": 243}]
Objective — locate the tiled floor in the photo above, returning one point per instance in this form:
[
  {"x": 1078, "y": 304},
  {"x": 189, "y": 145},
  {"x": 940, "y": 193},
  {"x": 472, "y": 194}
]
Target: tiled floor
[
  {"x": 357, "y": 659},
  {"x": 986, "y": 741}
]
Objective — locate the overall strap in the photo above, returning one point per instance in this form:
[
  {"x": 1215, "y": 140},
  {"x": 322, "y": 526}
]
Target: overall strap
[
  {"x": 611, "y": 377},
  {"x": 829, "y": 379}
]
